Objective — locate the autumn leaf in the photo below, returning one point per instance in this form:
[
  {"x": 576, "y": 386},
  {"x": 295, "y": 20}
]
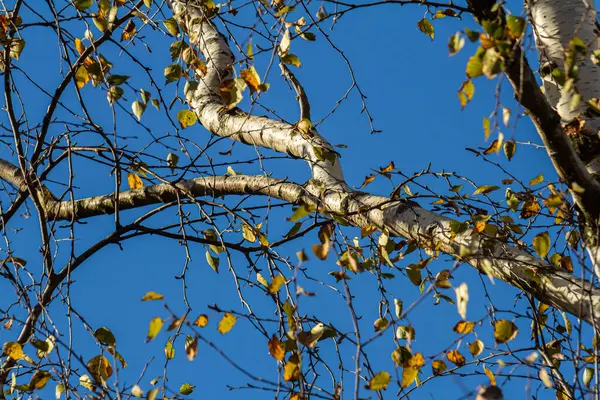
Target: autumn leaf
[
  {"x": 456, "y": 358},
  {"x": 463, "y": 327},
  {"x": 275, "y": 349},
  {"x": 152, "y": 296},
  {"x": 476, "y": 348},
  {"x": 134, "y": 181},
  {"x": 426, "y": 27},
  {"x": 411, "y": 370},
  {"x": 201, "y": 321},
  {"x": 191, "y": 347},
  {"x": 100, "y": 368},
  {"x": 276, "y": 284},
  {"x": 438, "y": 367},
  {"x": 186, "y": 118},
  {"x": 291, "y": 370},
  {"x": 154, "y": 328},
  {"x": 505, "y": 331},
  {"x": 379, "y": 381},
  {"x": 227, "y": 322},
  {"x": 13, "y": 350}
]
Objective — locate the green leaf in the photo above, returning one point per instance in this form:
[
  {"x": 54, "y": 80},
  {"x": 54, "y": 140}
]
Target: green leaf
[
  {"x": 186, "y": 389},
  {"x": 474, "y": 67},
  {"x": 285, "y": 10},
  {"x": 138, "y": 109},
  {"x": 486, "y": 127},
  {"x": 484, "y": 189},
  {"x": 291, "y": 59},
  {"x": 213, "y": 262},
  {"x": 114, "y": 94},
  {"x": 426, "y": 27},
  {"x": 117, "y": 79},
  {"x": 186, "y": 118},
  {"x": 302, "y": 211},
  {"x": 105, "y": 336},
  {"x": 171, "y": 26},
  {"x": 541, "y": 244},
  {"x": 515, "y": 26},
  {"x": 83, "y": 5},
  {"x": 173, "y": 72}
]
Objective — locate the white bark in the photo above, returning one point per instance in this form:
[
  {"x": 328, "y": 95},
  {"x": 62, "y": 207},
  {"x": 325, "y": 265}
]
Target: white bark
[{"x": 556, "y": 23}]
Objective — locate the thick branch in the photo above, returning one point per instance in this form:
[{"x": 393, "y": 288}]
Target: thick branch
[{"x": 206, "y": 102}]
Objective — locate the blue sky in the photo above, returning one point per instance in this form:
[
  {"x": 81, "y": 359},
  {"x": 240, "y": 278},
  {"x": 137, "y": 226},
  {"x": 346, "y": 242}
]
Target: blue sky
[{"x": 411, "y": 84}]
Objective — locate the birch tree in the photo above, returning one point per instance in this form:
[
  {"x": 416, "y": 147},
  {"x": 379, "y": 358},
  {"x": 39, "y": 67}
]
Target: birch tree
[{"x": 540, "y": 238}]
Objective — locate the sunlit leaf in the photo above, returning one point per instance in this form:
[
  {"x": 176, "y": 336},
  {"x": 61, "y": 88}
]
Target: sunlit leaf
[
  {"x": 226, "y": 323},
  {"x": 191, "y": 347},
  {"x": 426, "y": 27},
  {"x": 456, "y": 358},
  {"x": 276, "y": 350},
  {"x": 476, "y": 348},
  {"x": 462, "y": 299},
  {"x": 154, "y": 328},
  {"x": 186, "y": 118},
  {"x": 505, "y": 331},
  {"x": 291, "y": 370},
  {"x": 100, "y": 368},
  {"x": 463, "y": 327},
  {"x": 438, "y": 367},
  {"x": 186, "y": 389},
  {"x": 134, "y": 181},
  {"x": 105, "y": 336},
  {"x": 379, "y": 381},
  {"x": 541, "y": 244}
]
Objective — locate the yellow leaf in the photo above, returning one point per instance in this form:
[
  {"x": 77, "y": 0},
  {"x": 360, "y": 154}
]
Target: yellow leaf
[
  {"x": 154, "y": 328},
  {"x": 456, "y": 358},
  {"x": 321, "y": 250},
  {"x": 186, "y": 118},
  {"x": 169, "y": 350},
  {"x": 463, "y": 327},
  {"x": 541, "y": 244},
  {"x": 438, "y": 367},
  {"x": 490, "y": 375},
  {"x": 276, "y": 284},
  {"x": 134, "y": 181},
  {"x": 411, "y": 370},
  {"x": 476, "y": 348},
  {"x": 291, "y": 370},
  {"x": 538, "y": 179},
  {"x": 276, "y": 349},
  {"x": 226, "y": 323},
  {"x": 82, "y": 76},
  {"x": 252, "y": 79},
  {"x": 39, "y": 380},
  {"x": 379, "y": 381},
  {"x": 152, "y": 296},
  {"x": 380, "y": 324},
  {"x": 494, "y": 147},
  {"x": 505, "y": 331},
  {"x": 100, "y": 368},
  {"x": 13, "y": 350},
  {"x": 530, "y": 208},
  {"x": 129, "y": 31},
  {"x": 79, "y": 46},
  {"x": 201, "y": 321},
  {"x": 367, "y": 180},
  {"x": 248, "y": 233}
]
